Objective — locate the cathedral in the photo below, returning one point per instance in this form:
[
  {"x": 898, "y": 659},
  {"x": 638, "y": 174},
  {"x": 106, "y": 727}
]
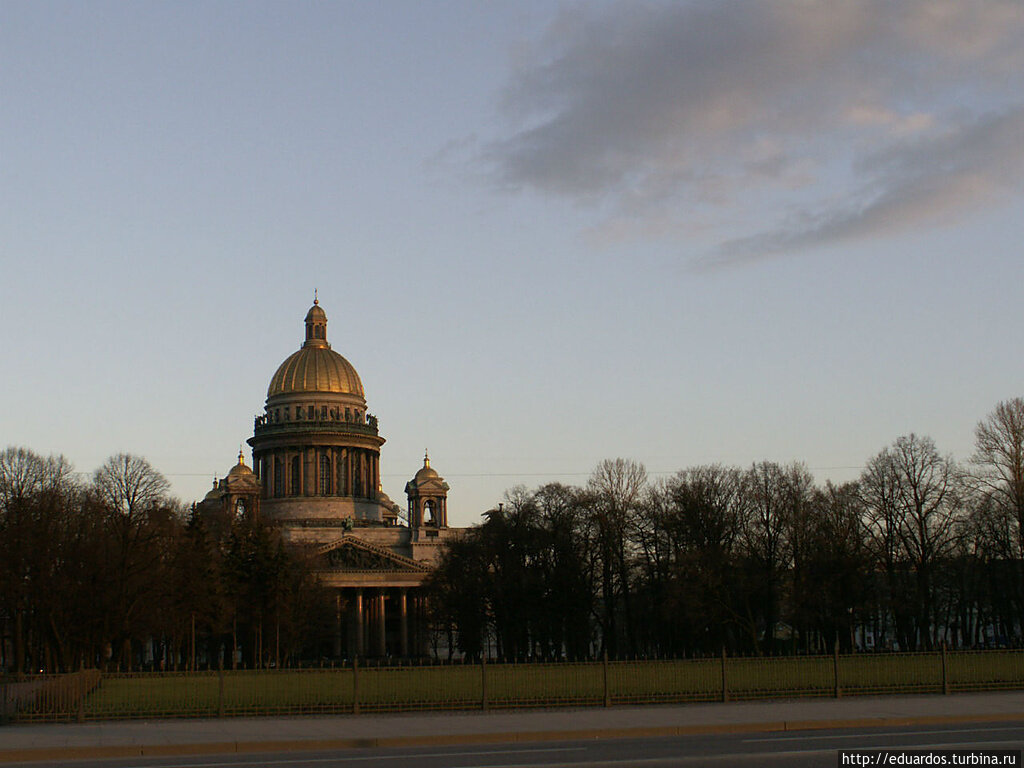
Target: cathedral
[{"x": 315, "y": 475}]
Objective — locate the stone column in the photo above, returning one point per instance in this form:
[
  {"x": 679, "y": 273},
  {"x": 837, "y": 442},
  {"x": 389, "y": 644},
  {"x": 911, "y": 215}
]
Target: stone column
[
  {"x": 360, "y": 649},
  {"x": 381, "y": 625},
  {"x": 403, "y": 632},
  {"x": 338, "y": 625}
]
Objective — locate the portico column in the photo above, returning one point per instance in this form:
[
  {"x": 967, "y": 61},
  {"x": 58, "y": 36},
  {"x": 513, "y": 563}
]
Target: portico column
[
  {"x": 359, "y": 623},
  {"x": 418, "y": 620},
  {"x": 337, "y": 624},
  {"x": 381, "y": 624},
  {"x": 403, "y": 633}
]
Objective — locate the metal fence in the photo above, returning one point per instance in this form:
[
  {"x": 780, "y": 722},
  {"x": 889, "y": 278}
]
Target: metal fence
[{"x": 90, "y": 695}]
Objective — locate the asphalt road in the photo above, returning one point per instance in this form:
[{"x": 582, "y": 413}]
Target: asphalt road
[{"x": 793, "y": 748}]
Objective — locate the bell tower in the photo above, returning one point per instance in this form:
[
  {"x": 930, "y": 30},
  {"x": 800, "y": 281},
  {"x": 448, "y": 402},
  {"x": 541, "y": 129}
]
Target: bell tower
[{"x": 428, "y": 498}]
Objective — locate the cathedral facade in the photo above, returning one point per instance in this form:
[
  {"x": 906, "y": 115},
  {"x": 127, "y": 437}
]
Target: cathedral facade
[{"x": 315, "y": 476}]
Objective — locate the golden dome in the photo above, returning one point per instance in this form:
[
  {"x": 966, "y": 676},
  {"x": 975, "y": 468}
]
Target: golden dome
[
  {"x": 426, "y": 472},
  {"x": 214, "y": 493},
  {"x": 315, "y": 367},
  {"x": 240, "y": 470}
]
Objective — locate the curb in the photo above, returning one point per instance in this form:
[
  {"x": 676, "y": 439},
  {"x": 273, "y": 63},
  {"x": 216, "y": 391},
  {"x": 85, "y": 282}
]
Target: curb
[{"x": 370, "y": 742}]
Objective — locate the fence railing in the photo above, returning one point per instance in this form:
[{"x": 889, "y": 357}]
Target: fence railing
[{"x": 88, "y": 695}]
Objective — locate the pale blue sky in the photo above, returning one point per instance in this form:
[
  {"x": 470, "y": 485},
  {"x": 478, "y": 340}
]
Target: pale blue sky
[{"x": 544, "y": 233}]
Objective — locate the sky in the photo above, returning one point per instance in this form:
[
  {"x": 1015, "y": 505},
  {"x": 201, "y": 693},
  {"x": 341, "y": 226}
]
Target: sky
[{"x": 544, "y": 233}]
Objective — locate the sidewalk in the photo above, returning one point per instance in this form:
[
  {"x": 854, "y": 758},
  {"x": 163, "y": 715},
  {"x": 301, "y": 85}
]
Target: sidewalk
[{"x": 179, "y": 737}]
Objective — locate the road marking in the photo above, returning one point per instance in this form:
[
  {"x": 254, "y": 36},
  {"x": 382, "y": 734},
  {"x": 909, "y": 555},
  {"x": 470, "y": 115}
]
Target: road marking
[
  {"x": 883, "y": 733},
  {"x": 361, "y": 758}
]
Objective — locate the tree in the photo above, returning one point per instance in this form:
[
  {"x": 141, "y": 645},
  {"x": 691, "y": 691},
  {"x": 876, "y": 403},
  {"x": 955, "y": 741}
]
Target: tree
[
  {"x": 568, "y": 580},
  {"x": 615, "y": 490},
  {"x": 998, "y": 512},
  {"x": 913, "y": 498},
  {"x": 690, "y": 530},
  {"x": 832, "y": 586},
  {"x": 999, "y": 461},
  {"x": 37, "y": 498},
  {"x": 141, "y": 521},
  {"x": 771, "y": 493}
]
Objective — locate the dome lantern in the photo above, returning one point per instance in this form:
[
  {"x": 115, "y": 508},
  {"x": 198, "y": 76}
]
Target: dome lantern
[{"x": 316, "y": 327}]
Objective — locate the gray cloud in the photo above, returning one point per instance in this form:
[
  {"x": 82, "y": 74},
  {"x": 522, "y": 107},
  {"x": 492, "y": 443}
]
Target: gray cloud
[
  {"x": 833, "y": 120},
  {"x": 926, "y": 183}
]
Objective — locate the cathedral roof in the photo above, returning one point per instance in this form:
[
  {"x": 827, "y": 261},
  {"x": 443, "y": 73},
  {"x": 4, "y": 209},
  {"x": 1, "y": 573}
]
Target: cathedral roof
[{"x": 315, "y": 367}]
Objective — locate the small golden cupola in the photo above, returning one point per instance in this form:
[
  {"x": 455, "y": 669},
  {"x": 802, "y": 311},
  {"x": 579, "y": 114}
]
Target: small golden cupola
[{"x": 316, "y": 327}]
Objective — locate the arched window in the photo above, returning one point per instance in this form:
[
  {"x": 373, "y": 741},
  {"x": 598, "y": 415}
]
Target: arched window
[
  {"x": 429, "y": 518},
  {"x": 240, "y": 509},
  {"x": 296, "y": 476},
  {"x": 278, "y": 476},
  {"x": 325, "y": 474}
]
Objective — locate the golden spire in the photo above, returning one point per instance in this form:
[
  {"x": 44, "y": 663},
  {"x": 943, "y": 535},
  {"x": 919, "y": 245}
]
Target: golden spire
[
  {"x": 426, "y": 458},
  {"x": 241, "y": 456},
  {"x": 315, "y": 300}
]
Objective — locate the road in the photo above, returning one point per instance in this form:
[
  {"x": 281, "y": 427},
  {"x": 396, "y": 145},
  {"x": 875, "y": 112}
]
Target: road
[{"x": 806, "y": 748}]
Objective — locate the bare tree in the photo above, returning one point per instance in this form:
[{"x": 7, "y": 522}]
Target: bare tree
[
  {"x": 704, "y": 518},
  {"x": 999, "y": 461},
  {"x": 34, "y": 505},
  {"x": 129, "y": 485},
  {"x": 998, "y": 465},
  {"x": 913, "y": 499},
  {"x": 139, "y": 515},
  {"x": 616, "y": 490},
  {"x": 767, "y": 489}
]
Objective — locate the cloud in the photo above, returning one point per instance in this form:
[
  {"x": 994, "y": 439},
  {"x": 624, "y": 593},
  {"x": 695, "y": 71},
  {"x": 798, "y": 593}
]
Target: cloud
[
  {"x": 927, "y": 183},
  {"x": 797, "y": 121}
]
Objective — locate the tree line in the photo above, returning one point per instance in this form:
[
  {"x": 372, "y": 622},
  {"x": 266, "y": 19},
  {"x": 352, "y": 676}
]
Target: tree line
[
  {"x": 919, "y": 551},
  {"x": 115, "y": 573}
]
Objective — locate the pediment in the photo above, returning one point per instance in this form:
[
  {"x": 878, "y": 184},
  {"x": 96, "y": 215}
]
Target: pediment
[{"x": 350, "y": 554}]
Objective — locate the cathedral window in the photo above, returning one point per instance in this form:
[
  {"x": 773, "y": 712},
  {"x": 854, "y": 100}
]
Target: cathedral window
[
  {"x": 310, "y": 412},
  {"x": 296, "y": 476},
  {"x": 323, "y": 412},
  {"x": 325, "y": 474},
  {"x": 342, "y": 486},
  {"x": 278, "y": 477},
  {"x": 357, "y": 476}
]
